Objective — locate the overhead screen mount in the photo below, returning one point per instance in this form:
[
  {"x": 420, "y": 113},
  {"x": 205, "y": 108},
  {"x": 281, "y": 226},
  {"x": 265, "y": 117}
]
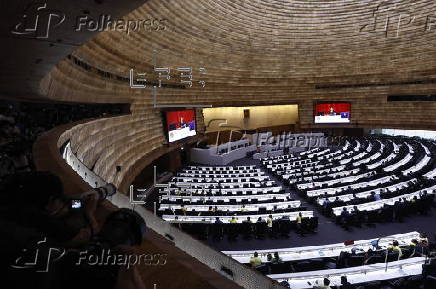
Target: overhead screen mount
[{"x": 332, "y": 112}]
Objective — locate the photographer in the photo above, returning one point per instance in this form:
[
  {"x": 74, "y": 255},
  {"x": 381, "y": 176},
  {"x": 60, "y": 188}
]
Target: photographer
[
  {"x": 41, "y": 221},
  {"x": 37, "y": 200}
]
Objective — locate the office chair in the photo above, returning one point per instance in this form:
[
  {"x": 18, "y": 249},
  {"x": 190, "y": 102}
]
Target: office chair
[
  {"x": 354, "y": 261},
  {"x": 218, "y": 231},
  {"x": 279, "y": 268},
  {"x": 232, "y": 231},
  {"x": 264, "y": 269},
  {"x": 261, "y": 230},
  {"x": 247, "y": 230},
  {"x": 302, "y": 266},
  {"x": 285, "y": 228}
]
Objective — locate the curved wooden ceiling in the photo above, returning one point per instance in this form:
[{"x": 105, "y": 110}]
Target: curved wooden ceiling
[
  {"x": 243, "y": 41},
  {"x": 255, "y": 52}
]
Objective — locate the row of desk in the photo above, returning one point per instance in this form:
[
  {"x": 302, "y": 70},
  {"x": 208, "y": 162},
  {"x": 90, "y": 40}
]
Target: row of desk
[
  {"x": 312, "y": 178},
  {"x": 323, "y": 251},
  {"x": 220, "y": 179},
  {"x": 223, "y": 168},
  {"x": 371, "y": 206},
  {"x": 226, "y": 199},
  {"x": 274, "y": 189},
  {"x": 234, "y": 208},
  {"x": 221, "y": 175},
  {"x": 213, "y": 185},
  {"x": 346, "y": 179},
  {"x": 333, "y": 191},
  {"x": 349, "y": 197},
  {"x": 239, "y": 219},
  {"x": 355, "y": 275}
]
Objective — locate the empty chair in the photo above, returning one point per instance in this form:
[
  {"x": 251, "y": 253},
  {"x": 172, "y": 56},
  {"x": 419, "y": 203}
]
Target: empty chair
[
  {"x": 308, "y": 265},
  {"x": 285, "y": 227},
  {"x": 279, "y": 268},
  {"x": 261, "y": 230},
  {"x": 264, "y": 269}
]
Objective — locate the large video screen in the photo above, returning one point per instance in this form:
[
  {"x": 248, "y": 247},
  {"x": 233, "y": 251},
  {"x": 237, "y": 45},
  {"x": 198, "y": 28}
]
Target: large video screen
[
  {"x": 180, "y": 124},
  {"x": 334, "y": 112}
]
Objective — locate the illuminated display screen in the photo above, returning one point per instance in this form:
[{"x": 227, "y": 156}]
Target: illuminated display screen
[
  {"x": 333, "y": 112},
  {"x": 180, "y": 124}
]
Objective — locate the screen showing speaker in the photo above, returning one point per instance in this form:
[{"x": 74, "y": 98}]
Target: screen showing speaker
[
  {"x": 332, "y": 112},
  {"x": 180, "y": 124}
]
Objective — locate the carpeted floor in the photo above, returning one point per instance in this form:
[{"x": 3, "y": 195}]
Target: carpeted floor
[{"x": 328, "y": 232}]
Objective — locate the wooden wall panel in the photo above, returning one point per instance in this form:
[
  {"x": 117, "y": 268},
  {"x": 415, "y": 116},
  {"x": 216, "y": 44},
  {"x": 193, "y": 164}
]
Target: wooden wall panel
[{"x": 255, "y": 53}]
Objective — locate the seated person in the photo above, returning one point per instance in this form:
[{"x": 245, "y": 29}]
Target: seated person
[
  {"x": 276, "y": 259},
  {"x": 371, "y": 198},
  {"x": 255, "y": 261},
  {"x": 420, "y": 249},
  {"x": 326, "y": 202},
  {"x": 377, "y": 196},
  {"x": 396, "y": 248},
  {"x": 260, "y": 220},
  {"x": 413, "y": 243},
  {"x": 345, "y": 284},
  {"x": 344, "y": 214},
  {"x": 332, "y": 111}
]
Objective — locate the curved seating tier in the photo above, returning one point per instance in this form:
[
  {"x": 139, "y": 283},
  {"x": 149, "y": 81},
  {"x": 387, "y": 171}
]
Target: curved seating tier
[{"x": 372, "y": 174}]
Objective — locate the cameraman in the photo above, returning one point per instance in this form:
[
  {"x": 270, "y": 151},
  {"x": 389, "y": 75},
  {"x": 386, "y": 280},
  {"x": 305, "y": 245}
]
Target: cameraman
[
  {"x": 33, "y": 208},
  {"x": 37, "y": 200}
]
